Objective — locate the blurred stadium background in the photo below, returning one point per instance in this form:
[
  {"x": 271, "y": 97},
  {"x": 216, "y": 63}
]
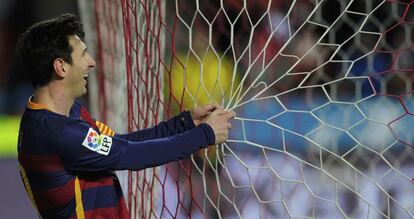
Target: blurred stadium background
[
  {"x": 367, "y": 144},
  {"x": 15, "y": 17}
]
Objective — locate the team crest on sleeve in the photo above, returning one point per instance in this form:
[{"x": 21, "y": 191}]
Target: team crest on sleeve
[{"x": 99, "y": 143}]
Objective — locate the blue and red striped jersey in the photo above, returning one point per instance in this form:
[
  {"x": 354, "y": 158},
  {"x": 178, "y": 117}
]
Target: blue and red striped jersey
[{"x": 67, "y": 164}]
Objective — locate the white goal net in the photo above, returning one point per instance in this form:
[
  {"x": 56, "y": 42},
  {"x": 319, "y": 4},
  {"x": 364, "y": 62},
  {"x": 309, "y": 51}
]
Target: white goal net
[{"x": 322, "y": 90}]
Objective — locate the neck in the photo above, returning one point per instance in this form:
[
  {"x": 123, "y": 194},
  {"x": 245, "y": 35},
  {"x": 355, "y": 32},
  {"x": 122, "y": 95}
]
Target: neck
[{"x": 55, "y": 98}]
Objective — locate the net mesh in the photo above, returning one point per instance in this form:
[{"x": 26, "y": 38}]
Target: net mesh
[{"x": 322, "y": 91}]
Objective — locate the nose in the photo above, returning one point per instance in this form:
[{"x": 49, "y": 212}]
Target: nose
[{"x": 91, "y": 62}]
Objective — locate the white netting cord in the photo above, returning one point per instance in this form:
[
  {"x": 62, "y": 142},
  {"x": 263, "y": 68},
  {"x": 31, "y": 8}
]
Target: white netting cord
[
  {"x": 323, "y": 95},
  {"x": 358, "y": 182},
  {"x": 146, "y": 40}
]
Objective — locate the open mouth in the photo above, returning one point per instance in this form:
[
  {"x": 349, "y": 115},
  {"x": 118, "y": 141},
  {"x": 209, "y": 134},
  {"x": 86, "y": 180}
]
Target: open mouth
[{"x": 85, "y": 77}]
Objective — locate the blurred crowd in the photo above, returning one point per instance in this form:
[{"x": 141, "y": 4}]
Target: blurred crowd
[
  {"x": 276, "y": 47},
  {"x": 222, "y": 39},
  {"x": 15, "y": 17}
]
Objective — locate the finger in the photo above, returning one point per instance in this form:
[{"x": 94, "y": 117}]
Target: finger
[
  {"x": 229, "y": 114},
  {"x": 219, "y": 111},
  {"x": 223, "y": 112},
  {"x": 210, "y": 107},
  {"x": 217, "y": 106}
]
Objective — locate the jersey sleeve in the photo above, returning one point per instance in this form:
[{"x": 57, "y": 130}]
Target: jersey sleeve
[
  {"x": 178, "y": 124},
  {"x": 82, "y": 149}
]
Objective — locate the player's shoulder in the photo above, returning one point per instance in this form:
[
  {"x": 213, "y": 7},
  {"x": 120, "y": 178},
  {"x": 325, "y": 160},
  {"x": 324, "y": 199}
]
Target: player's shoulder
[
  {"x": 46, "y": 121},
  {"x": 41, "y": 130}
]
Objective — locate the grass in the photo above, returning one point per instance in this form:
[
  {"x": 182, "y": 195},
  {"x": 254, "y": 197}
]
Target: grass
[{"x": 9, "y": 131}]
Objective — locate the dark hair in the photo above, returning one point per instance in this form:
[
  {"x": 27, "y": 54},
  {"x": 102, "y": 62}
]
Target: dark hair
[{"x": 44, "y": 42}]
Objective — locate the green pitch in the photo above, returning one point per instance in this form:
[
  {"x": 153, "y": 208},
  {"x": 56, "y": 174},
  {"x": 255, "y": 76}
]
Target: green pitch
[{"x": 9, "y": 129}]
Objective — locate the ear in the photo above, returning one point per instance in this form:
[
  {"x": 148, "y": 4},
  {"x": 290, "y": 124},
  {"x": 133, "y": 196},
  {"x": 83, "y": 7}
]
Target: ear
[{"x": 59, "y": 65}]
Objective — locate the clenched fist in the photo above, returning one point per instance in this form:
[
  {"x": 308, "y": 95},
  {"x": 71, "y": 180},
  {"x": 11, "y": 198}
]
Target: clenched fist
[
  {"x": 200, "y": 113},
  {"x": 218, "y": 121}
]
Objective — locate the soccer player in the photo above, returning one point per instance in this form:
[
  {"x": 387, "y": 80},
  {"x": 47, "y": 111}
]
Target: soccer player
[{"x": 67, "y": 159}]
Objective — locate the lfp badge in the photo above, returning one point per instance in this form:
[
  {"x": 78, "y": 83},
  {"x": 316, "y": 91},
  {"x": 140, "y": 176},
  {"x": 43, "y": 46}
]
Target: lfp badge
[{"x": 99, "y": 143}]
